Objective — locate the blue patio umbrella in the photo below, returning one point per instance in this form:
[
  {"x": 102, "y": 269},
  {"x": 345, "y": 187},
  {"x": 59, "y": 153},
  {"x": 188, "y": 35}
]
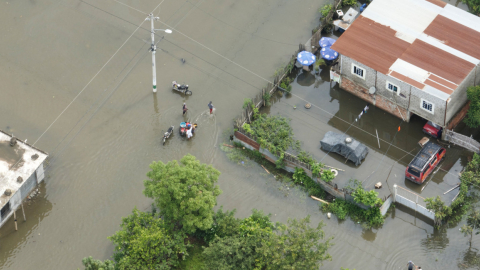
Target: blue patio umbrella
[
  {"x": 306, "y": 58},
  {"x": 326, "y": 42},
  {"x": 328, "y": 53}
]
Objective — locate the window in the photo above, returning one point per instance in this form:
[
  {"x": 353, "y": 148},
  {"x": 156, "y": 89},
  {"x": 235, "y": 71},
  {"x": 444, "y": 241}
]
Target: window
[
  {"x": 427, "y": 106},
  {"x": 393, "y": 87},
  {"x": 360, "y": 72}
]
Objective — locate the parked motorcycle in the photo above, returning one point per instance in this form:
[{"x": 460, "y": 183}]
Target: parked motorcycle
[
  {"x": 168, "y": 133},
  {"x": 182, "y": 88}
]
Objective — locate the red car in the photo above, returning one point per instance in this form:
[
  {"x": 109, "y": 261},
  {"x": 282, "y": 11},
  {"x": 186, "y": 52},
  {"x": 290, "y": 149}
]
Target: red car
[
  {"x": 424, "y": 162},
  {"x": 433, "y": 129}
]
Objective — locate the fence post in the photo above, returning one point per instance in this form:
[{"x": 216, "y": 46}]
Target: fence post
[
  {"x": 395, "y": 193},
  {"x": 416, "y": 204}
]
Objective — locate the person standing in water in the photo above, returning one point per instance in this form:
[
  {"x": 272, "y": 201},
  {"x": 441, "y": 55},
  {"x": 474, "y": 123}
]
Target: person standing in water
[
  {"x": 210, "y": 106},
  {"x": 184, "y": 108}
]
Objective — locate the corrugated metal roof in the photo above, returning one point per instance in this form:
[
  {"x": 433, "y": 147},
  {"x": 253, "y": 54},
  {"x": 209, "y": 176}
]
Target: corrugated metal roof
[
  {"x": 371, "y": 43},
  {"x": 426, "y": 43}
]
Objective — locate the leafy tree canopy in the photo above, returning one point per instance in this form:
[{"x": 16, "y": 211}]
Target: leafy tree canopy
[
  {"x": 92, "y": 264},
  {"x": 473, "y": 94},
  {"x": 473, "y": 5},
  {"x": 185, "y": 194},
  {"x": 144, "y": 243}
]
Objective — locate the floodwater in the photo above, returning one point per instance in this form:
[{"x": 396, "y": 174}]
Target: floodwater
[{"x": 100, "y": 148}]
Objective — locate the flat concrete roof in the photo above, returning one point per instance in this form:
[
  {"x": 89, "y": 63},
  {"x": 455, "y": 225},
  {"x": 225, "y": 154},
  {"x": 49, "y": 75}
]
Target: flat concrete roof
[{"x": 16, "y": 161}]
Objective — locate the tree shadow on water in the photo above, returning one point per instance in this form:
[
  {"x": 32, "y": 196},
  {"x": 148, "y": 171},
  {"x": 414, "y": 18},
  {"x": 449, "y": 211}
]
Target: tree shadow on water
[{"x": 470, "y": 259}]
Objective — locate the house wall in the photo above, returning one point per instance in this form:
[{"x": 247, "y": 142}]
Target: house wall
[
  {"x": 397, "y": 106},
  {"x": 477, "y": 75},
  {"x": 438, "y": 115},
  {"x": 27, "y": 187},
  {"x": 458, "y": 99},
  {"x": 346, "y": 70},
  {"x": 400, "y": 99}
]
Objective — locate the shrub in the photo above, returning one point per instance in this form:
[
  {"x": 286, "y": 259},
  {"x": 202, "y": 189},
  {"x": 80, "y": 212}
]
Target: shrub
[
  {"x": 327, "y": 175},
  {"x": 325, "y": 10}
]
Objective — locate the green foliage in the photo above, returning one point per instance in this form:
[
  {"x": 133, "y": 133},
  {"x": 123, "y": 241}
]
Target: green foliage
[
  {"x": 287, "y": 87},
  {"x": 257, "y": 225},
  {"x": 318, "y": 63},
  {"x": 473, "y": 5},
  {"x": 92, "y": 264},
  {"x": 247, "y": 103},
  {"x": 370, "y": 217},
  {"x": 439, "y": 208},
  {"x": 184, "y": 194},
  {"x": 325, "y": 10},
  {"x": 469, "y": 179},
  {"x": 368, "y": 198},
  {"x": 296, "y": 246},
  {"x": 273, "y": 133},
  {"x": 347, "y": 3},
  {"x": 195, "y": 259},
  {"x": 267, "y": 97},
  {"x": 224, "y": 225},
  {"x": 144, "y": 243},
  {"x": 473, "y": 116},
  {"x": 301, "y": 178},
  {"x": 247, "y": 128},
  {"x": 292, "y": 246},
  {"x": 473, "y": 224},
  {"x": 327, "y": 175}
]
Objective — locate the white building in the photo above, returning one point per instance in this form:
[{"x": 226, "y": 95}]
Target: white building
[
  {"x": 412, "y": 57},
  {"x": 21, "y": 170}
]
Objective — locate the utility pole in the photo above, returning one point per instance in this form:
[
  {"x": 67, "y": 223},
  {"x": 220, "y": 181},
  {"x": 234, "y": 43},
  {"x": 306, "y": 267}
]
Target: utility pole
[{"x": 153, "y": 47}]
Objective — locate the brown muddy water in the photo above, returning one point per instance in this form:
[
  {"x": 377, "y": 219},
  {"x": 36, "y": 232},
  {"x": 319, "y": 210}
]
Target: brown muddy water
[{"x": 102, "y": 145}]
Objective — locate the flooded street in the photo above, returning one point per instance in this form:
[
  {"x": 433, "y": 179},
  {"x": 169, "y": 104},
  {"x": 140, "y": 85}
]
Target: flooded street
[{"x": 75, "y": 54}]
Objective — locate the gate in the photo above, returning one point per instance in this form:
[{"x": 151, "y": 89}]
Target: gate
[{"x": 461, "y": 140}]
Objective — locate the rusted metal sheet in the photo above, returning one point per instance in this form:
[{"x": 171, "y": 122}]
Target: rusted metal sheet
[
  {"x": 439, "y": 87},
  {"x": 437, "y": 2},
  {"x": 437, "y": 61},
  {"x": 247, "y": 140},
  {"x": 455, "y": 35},
  {"x": 442, "y": 81},
  {"x": 407, "y": 80},
  {"x": 371, "y": 44}
]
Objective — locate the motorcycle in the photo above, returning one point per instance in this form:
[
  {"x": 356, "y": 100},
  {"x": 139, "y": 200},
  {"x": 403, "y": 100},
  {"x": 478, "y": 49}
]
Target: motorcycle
[
  {"x": 184, "y": 126},
  {"x": 182, "y": 88},
  {"x": 167, "y": 134}
]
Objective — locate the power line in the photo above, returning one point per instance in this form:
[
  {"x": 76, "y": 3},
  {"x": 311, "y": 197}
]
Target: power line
[{"x": 255, "y": 74}]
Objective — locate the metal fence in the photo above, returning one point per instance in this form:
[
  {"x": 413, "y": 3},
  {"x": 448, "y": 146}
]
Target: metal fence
[
  {"x": 413, "y": 201},
  {"x": 462, "y": 140}
]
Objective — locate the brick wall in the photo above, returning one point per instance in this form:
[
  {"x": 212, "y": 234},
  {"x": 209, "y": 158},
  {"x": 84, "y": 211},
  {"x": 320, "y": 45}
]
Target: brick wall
[
  {"x": 459, "y": 116},
  {"x": 247, "y": 140},
  {"x": 376, "y": 100}
]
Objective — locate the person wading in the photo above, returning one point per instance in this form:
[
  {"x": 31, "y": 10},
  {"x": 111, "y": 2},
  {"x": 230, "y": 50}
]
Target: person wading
[
  {"x": 210, "y": 106},
  {"x": 184, "y": 108}
]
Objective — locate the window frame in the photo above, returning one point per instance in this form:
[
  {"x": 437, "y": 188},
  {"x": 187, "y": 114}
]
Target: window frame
[
  {"x": 358, "y": 67},
  {"x": 421, "y": 106},
  {"x": 398, "y": 87}
]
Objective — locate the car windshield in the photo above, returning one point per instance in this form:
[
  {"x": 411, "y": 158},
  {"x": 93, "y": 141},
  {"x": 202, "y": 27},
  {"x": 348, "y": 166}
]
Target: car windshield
[{"x": 434, "y": 125}]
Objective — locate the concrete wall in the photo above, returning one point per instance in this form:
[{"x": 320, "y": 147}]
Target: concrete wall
[
  {"x": 416, "y": 207},
  {"x": 401, "y": 98},
  {"x": 438, "y": 115},
  {"x": 27, "y": 187},
  {"x": 346, "y": 71},
  {"x": 458, "y": 99},
  {"x": 477, "y": 75}
]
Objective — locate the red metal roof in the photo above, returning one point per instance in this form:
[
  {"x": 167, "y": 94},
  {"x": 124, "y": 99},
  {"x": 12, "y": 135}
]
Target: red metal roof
[
  {"x": 371, "y": 44},
  {"x": 437, "y": 61},
  {"x": 455, "y": 35}
]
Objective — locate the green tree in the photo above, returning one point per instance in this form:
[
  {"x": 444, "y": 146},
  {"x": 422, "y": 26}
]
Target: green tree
[
  {"x": 473, "y": 5},
  {"x": 369, "y": 198},
  {"x": 144, "y": 243},
  {"x": 224, "y": 225},
  {"x": 296, "y": 246},
  {"x": 473, "y": 223},
  {"x": 231, "y": 253},
  {"x": 92, "y": 264},
  {"x": 473, "y": 116},
  {"x": 184, "y": 194},
  {"x": 439, "y": 208}
]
